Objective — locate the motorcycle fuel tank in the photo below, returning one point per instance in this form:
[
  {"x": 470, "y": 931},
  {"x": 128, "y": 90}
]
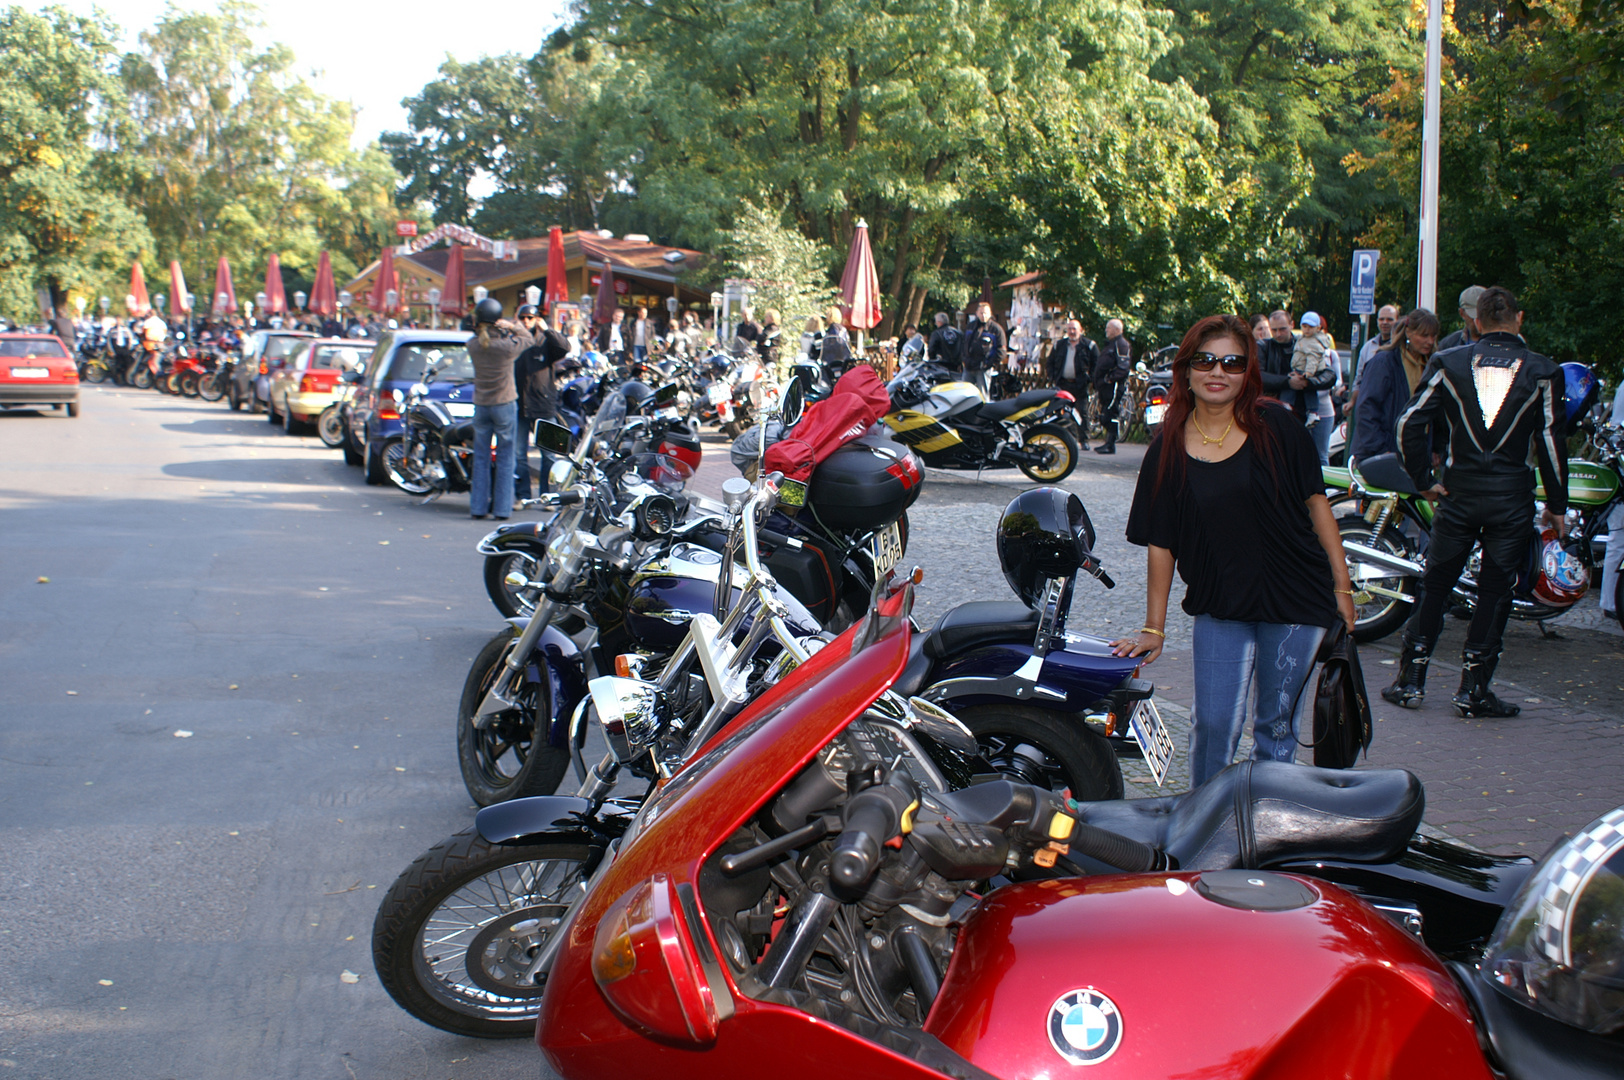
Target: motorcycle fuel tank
[
  {"x": 1220, "y": 974},
  {"x": 1589, "y": 484},
  {"x": 669, "y": 591}
]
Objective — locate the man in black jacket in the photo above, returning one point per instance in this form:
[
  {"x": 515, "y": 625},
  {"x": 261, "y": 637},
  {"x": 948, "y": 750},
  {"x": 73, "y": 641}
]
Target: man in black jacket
[
  {"x": 984, "y": 347},
  {"x": 1501, "y": 405},
  {"x": 535, "y": 373},
  {"x": 1071, "y": 365},
  {"x": 1110, "y": 375},
  {"x": 946, "y": 342},
  {"x": 1274, "y": 355}
]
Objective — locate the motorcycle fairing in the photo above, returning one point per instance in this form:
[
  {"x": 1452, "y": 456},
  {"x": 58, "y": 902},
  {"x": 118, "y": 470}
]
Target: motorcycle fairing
[
  {"x": 1589, "y": 484},
  {"x": 1529, "y": 1046},
  {"x": 1203, "y": 988},
  {"x": 920, "y": 431}
]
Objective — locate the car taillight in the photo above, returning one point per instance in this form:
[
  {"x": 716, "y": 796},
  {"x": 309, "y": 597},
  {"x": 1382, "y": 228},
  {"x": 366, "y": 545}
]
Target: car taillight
[
  {"x": 309, "y": 384},
  {"x": 650, "y": 959},
  {"x": 263, "y": 368},
  {"x": 387, "y": 410}
]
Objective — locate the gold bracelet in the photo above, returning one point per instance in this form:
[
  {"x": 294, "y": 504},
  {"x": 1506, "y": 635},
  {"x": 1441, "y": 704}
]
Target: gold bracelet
[
  {"x": 1152, "y": 630},
  {"x": 1344, "y": 592}
]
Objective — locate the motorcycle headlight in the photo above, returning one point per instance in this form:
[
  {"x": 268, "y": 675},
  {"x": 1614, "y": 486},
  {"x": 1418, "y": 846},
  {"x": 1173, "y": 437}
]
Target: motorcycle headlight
[
  {"x": 562, "y": 473},
  {"x": 630, "y": 711}
]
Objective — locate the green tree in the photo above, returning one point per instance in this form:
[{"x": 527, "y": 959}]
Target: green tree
[
  {"x": 789, "y": 271},
  {"x": 63, "y": 223}
]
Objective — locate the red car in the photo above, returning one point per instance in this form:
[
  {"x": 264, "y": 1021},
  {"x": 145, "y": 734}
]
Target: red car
[{"x": 37, "y": 370}]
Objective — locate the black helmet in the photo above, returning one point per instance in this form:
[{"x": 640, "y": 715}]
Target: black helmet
[
  {"x": 488, "y": 310},
  {"x": 635, "y": 392},
  {"x": 527, "y": 311},
  {"x": 1043, "y": 534}
]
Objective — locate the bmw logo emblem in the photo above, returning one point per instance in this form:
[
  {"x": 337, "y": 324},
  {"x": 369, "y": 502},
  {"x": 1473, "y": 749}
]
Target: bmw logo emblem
[{"x": 1085, "y": 1027}]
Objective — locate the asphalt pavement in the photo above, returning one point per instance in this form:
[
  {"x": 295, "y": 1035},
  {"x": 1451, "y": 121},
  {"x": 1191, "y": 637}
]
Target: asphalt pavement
[{"x": 230, "y": 673}]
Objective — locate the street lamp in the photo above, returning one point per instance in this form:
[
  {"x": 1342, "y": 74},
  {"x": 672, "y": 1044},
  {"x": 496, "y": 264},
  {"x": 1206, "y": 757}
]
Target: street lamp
[
  {"x": 79, "y": 303},
  {"x": 390, "y": 299},
  {"x": 159, "y": 301},
  {"x": 532, "y": 295},
  {"x": 260, "y": 300},
  {"x": 480, "y": 293},
  {"x": 106, "y": 302},
  {"x": 434, "y": 309},
  {"x": 299, "y": 299}
]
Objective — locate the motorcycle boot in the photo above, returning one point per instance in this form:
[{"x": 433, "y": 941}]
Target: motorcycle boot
[
  {"x": 1109, "y": 445},
  {"x": 1475, "y": 699},
  {"x": 1409, "y": 689}
]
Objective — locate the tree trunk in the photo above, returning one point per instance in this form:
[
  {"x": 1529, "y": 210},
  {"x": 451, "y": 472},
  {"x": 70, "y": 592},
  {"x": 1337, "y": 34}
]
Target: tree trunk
[
  {"x": 899, "y": 273},
  {"x": 916, "y": 301}
]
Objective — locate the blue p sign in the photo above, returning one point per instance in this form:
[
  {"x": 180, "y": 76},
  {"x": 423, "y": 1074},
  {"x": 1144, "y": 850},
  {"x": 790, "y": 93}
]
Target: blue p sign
[{"x": 1362, "y": 293}]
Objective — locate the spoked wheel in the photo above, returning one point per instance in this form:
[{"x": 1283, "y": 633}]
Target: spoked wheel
[
  {"x": 141, "y": 376},
  {"x": 189, "y": 384},
  {"x": 405, "y": 470},
  {"x": 1382, "y": 599},
  {"x": 512, "y": 600},
  {"x": 211, "y": 388},
  {"x": 509, "y": 758},
  {"x": 1059, "y": 451},
  {"x": 457, "y": 933},
  {"x": 1052, "y": 750},
  {"x": 95, "y": 372},
  {"x": 330, "y": 427}
]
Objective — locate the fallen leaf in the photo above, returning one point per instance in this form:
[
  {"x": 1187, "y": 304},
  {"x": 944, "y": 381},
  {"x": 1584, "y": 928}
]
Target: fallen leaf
[
  {"x": 44, "y": 581},
  {"x": 383, "y": 543},
  {"x": 73, "y": 693},
  {"x": 233, "y": 686},
  {"x": 399, "y": 769},
  {"x": 349, "y": 977},
  {"x": 321, "y": 588},
  {"x": 104, "y": 982},
  {"x": 350, "y": 938},
  {"x": 231, "y": 834},
  {"x": 183, "y": 734}
]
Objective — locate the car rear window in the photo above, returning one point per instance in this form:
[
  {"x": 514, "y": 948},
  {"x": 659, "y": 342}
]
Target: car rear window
[
  {"x": 340, "y": 356},
  {"x": 17, "y": 348},
  {"x": 278, "y": 347},
  {"x": 411, "y": 361}
]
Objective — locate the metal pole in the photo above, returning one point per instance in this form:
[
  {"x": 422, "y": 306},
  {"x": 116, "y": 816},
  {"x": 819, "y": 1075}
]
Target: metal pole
[{"x": 1426, "y": 292}]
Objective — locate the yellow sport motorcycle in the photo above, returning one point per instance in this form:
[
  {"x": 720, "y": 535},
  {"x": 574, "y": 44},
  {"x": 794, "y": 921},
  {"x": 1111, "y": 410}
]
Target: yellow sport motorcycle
[{"x": 951, "y": 425}]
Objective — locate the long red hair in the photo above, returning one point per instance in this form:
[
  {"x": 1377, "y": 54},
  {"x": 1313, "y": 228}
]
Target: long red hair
[{"x": 1182, "y": 403}]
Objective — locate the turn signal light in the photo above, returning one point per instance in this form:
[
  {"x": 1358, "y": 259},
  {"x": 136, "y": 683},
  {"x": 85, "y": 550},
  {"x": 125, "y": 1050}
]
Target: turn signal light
[{"x": 647, "y": 963}]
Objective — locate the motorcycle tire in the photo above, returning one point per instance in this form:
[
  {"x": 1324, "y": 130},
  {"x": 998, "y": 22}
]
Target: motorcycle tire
[
  {"x": 210, "y": 389},
  {"x": 330, "y": 428},
  {"x": 271, "y": 415},
  {"x": 394, "y": 465},
  {"x": 504, "y": 760},
  {"x": 141, "y": 378},
  {"x": 352, "y": 454},
  {"x": 236, "y": 402},
  {"x": 170, "y": 384},
  {"x": 94, "y": 373},
  {"x": 1052, "y": 750},
  {"x": 1061, "y": 444},
  {"x": 1376, "y": 616},
  {"x": 441, "y": 942},
  {"x": 189, "y": 384},
  {"x": 372, "y": 464},
  {"x": 511, "y": 602}
]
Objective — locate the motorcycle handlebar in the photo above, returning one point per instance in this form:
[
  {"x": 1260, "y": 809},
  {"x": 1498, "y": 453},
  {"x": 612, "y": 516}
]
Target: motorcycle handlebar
[{"x": 873, "y": 816}]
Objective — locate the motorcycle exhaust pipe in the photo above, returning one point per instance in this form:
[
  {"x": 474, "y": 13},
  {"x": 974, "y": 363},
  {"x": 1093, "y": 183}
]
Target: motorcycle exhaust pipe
[{"x": 1383, "y": 559}]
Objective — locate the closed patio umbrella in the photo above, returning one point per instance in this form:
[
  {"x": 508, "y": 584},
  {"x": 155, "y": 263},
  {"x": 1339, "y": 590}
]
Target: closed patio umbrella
[
  {"x": 276, "y": 299},
  {"x": 558, "y": 287},
  {"x": 177, "y": 287},
  {"x": 860, "y": 285},
  {"x": 604, "y": 310},
  {"x": 324, "y": 293},
  {"x": 138, "y": 289},
  {"x": 385, "y": 283},
  {"x": 225, "y": 296},
  {"x": 454, "y": 296}
]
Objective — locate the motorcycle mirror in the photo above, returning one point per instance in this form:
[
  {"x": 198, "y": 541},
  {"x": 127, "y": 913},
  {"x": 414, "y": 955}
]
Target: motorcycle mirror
[
  {"x": 419, "y": 389},
  {"x": 1386, "y": 472},
  {"x": 792, "y": 403},
  {"x": 552, "y": 437},
  {"x": 665, "y": 394}
]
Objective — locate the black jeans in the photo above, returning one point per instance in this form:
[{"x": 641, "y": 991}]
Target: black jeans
[
  {"x": 1078, "y": 390},
  {"x": 1503, "y": 523},
  {"x": 1110, "y": 395}
]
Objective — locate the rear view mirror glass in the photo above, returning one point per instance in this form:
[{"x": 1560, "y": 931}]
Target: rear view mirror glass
[{"x": 554, "y": 438}]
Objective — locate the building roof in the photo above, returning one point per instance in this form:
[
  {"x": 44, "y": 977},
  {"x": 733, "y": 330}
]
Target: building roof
[{"x": 1025, "y": 279}]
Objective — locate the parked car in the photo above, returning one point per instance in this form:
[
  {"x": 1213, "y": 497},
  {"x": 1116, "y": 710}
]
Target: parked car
[
  {"x": 401, "y": 359},
  {"x": 263, "y": 352},
  {"x": 308, "y": 379},
  {"x": 37, "y": 371}
]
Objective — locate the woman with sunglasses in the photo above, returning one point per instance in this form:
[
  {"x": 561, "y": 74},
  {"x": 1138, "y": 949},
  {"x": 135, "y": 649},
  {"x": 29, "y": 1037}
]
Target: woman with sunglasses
[{"x": 1230, "y": 495}]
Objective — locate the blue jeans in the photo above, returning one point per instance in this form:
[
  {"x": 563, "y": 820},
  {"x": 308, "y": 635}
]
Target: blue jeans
[
  {"x": 521, "y": 459},
  {"x": 502, "y": 422},
  {"x": 1321, "y": 431},
  {"x": 1232, "y": 657}
]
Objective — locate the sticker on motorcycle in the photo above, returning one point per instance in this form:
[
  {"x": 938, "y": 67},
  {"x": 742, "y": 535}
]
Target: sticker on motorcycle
[
  {"x": 1085, "y": 1027},
  {"x": 1146, "y": 728}
]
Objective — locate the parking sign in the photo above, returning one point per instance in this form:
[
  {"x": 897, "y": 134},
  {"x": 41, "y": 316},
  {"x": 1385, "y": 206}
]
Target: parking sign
[{"x": 1362, "y": 293}]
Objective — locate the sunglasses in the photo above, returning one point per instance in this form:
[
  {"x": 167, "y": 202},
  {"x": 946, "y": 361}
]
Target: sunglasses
[{"x": 1232, "y": 364}]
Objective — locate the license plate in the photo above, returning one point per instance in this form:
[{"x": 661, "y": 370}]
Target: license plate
[
  {"x": 887, "y": 548},
  {"x": 30, "y": 373},
  {"x": 460, "y": 410},
  {"x": 718, "y": 393},
  {"x": 1154, "y": 413},
  {"x": 1146, "y": 728}
]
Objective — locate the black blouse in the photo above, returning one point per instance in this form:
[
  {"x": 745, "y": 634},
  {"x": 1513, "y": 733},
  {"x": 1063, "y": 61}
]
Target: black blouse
[{"x": 1240, "y": 531}]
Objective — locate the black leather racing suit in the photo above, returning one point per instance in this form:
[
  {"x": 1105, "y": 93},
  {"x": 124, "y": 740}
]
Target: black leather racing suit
[{"x": 1493, "y": 442}]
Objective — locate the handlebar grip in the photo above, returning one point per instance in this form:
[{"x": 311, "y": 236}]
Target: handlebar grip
[
  {"x": 1105, "y": 579},
  {"x": 776, "y": 539},
  {"x": 871, "y": 819},
  {"x": 1118, "y": 851},
  {"x": 569, "y": 498}
]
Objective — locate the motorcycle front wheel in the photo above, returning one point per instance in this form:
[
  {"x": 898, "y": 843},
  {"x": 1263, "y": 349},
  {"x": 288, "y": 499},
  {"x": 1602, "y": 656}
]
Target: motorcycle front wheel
[
  {"x": 402, "y": 471},
  {"x": 1377, "y": 613},
  {"x": 189, "y": 384},
  {"x": 458, "y": 929},
  {"x": 513, "y": 602},
  {"x": 211, "y": 388},
  {"x": 330, "y": 427},
  {"x": 509, "y": 758},
  {"x": 1062, "y": 451},
  {"x": 141, "y": 377},
  {"x": 94, "y": 372},
  {"x": 1050, "y": 750}
]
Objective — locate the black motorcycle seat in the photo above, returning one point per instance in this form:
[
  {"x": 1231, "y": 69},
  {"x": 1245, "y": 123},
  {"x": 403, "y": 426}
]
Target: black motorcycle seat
[
  {"x": 458, "y": 431},
  {"x": 981, "y": 622},
  {"x": 1259, "y": 813},
  {"x": 997, "y": 410},
  {"x": 1531, "y": 1046}
]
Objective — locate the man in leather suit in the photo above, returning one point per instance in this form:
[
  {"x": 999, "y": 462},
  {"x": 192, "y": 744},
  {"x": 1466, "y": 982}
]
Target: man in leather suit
[{"x": 1501, "y": 405}]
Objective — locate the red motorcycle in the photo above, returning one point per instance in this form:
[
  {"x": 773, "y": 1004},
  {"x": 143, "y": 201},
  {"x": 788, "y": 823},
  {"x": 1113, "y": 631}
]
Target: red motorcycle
[{"x": 810, "y": 892}]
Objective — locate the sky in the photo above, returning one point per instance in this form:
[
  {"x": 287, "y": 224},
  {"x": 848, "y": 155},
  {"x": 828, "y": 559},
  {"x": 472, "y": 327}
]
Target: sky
[{"x": 370, "y": 54}]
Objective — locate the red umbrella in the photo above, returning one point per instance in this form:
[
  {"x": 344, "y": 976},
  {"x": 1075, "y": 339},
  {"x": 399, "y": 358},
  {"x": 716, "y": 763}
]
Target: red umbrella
[
  {"x": 225, "y": 297},
  {"x": 558, "y": 287},
  {"x": 177, "y": 287},
  {"x": 454, "y": 295},
  {"x": 860, "y": 284},
  {"x": 385, "y": 283},
  {"x": 604, "y": 310},
  {"x": 324, "y": 294},
  {"x": 276, "y": 300},
  {"x": 138, "y": 289}
]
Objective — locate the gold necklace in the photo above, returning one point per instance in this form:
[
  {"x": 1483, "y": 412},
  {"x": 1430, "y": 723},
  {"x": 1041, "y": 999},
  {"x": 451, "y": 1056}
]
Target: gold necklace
[{"x": 1207, "y": 440}]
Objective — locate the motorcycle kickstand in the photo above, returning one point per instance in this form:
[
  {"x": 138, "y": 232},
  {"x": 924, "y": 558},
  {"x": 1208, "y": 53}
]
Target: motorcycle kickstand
[{"x": 1547, "y": 634}]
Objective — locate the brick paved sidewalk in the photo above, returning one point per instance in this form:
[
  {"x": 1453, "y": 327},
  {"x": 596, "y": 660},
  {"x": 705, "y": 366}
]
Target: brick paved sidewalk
[{"x": 1499, "y": 785}]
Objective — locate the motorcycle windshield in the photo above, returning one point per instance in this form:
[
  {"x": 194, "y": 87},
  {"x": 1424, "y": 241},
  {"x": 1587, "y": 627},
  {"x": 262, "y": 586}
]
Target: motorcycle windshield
[
  {"x": 664, "y": 473},
  {"x": 608, "y": 424}
]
